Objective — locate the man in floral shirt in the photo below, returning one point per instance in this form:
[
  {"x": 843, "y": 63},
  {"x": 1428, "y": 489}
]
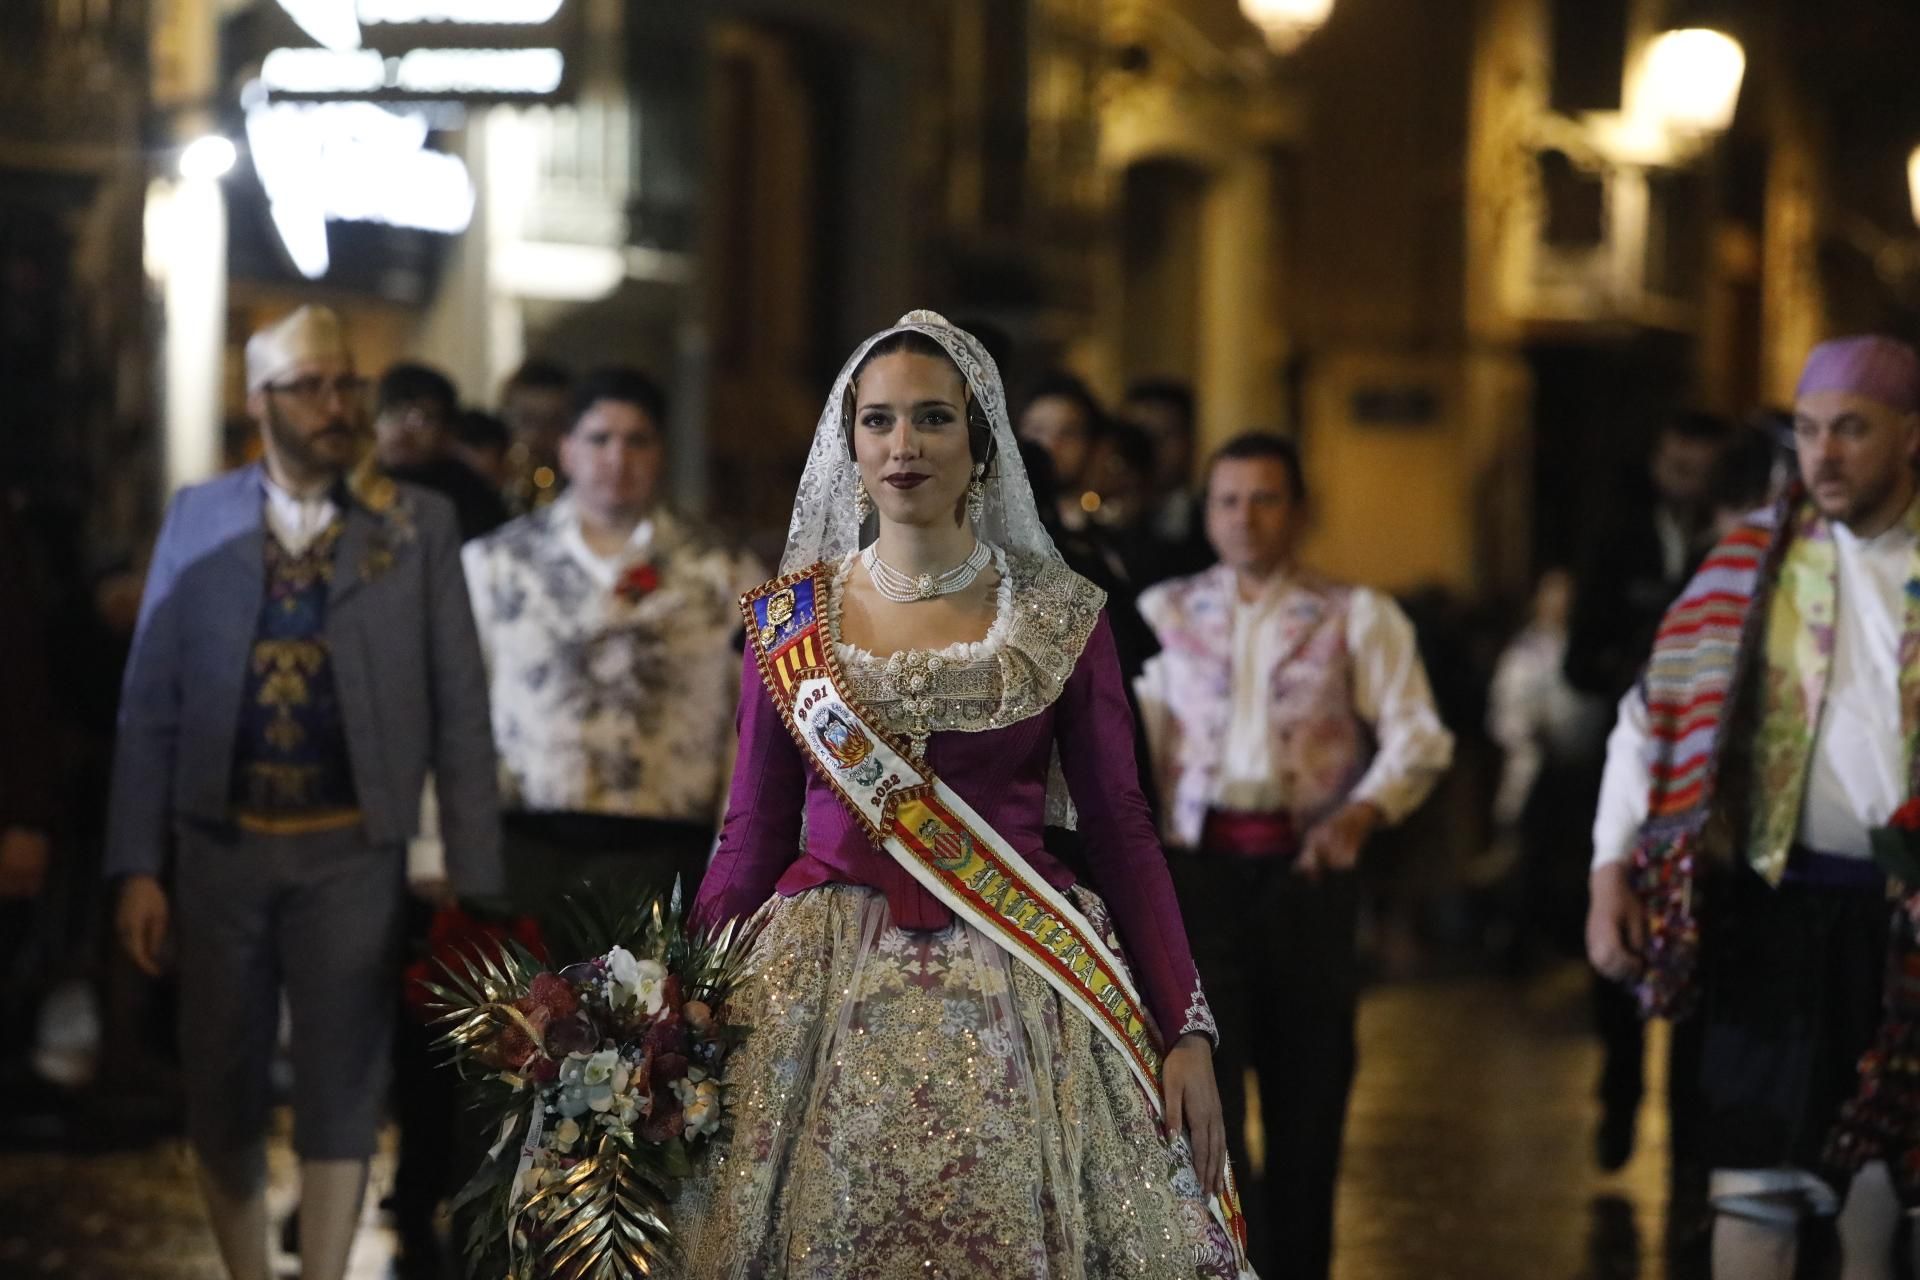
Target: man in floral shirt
[{"x": 611, "y": 628}]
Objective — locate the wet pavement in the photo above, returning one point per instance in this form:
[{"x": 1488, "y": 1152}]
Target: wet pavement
[
  {"x": 135, "y": 1215},
  {"x": 1469, "y": 1152},
  {"x": 1469, "y": 1157}
]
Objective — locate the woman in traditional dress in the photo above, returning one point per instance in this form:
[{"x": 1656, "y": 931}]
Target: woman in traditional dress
[{"x": 952, "y": 1070}]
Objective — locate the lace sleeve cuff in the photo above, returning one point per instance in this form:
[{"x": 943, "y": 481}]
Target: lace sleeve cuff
[{"x": 1199, "y": 1017}]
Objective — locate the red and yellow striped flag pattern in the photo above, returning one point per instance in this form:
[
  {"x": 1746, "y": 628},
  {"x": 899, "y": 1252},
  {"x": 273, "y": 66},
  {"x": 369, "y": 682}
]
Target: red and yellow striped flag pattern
[{"x": 798, "y": 657}]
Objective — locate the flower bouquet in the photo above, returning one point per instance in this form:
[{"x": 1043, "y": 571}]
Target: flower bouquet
[{"x": 600, "y": 1080}]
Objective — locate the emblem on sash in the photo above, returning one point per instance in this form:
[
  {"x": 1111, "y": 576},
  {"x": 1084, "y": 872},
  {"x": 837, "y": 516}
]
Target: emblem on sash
[
  {"x": 848, "y": 745},
  {"x": 952, "y": 849},
  {"x": 782, "y": 622}
]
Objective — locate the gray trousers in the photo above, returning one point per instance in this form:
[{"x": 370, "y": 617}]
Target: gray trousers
[{"x": 319, "y": 916}]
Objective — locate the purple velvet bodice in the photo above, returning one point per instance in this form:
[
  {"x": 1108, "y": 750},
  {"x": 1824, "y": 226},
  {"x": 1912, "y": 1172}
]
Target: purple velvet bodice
[{"x": 1002, "y": 773}]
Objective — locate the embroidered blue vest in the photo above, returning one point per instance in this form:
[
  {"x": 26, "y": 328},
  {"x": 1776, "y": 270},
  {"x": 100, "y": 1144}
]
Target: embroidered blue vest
[{"x": 291, "y": 768}]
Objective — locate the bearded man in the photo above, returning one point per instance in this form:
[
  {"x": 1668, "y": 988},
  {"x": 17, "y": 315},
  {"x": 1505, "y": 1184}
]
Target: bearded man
[
  {"x": 1737, "y": 874},
  {"x": 305, "y": 656}
]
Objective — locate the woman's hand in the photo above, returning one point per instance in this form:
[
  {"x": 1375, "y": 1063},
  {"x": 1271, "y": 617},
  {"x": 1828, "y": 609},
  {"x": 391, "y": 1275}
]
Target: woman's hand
[{"x": 1193, "y": 1105}]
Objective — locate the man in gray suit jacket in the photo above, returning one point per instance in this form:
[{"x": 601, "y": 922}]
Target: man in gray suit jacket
[{"x": 305, "y": 659}]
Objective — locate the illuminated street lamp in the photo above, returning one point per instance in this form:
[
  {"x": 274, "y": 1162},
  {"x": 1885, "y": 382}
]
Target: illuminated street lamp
[
  {"x": 1286, "y": 23},
  {"x": 1693, "y": 79},
  {"x": 1913, "y": 181}
]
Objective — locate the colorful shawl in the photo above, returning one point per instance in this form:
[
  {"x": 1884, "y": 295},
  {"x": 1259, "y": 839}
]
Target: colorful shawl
[{"x": 1702, "y": 655}]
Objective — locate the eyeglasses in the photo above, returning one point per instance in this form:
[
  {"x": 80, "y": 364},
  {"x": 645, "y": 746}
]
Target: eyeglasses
[{"x": 314, "y": 389}]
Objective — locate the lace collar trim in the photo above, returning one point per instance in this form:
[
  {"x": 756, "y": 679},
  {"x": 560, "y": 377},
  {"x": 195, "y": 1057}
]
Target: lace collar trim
[{"x": 1043, "y": 617}]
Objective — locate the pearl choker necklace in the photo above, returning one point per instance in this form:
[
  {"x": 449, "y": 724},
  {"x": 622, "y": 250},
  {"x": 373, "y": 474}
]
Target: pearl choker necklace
[{"x": 905, "y": 589}]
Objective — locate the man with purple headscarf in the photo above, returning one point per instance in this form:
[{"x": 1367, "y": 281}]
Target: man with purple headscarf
[{"x": 1736, "y": 876}]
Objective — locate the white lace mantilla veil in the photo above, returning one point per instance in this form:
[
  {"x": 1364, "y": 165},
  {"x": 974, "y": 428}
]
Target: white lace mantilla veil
[{"x": 824, "y": 524}]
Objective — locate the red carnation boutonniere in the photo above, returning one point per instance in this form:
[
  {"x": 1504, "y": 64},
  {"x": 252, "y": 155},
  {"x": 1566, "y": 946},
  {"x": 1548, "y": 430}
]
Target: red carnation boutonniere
[
  {"x": 1896, "y": 846},
  {"x": 637, "y": 583}
]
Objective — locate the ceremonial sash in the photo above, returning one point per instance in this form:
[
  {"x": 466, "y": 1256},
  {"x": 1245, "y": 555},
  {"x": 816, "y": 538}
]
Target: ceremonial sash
[{"x": 938, "y": 838}]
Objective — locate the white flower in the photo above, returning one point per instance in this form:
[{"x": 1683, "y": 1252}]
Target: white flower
[
  {"x": 586, "y": 1082},
  {"x": 566, "y": 1133},
  {"x": 623, "y": 968},
  {"x": 703, "y": 1115},
  {"x": 639, "y": 981},
  {"x": 652, "y": 986},
  {"x": 599, "y": 1068},
  {"x": 700, "y": 1101}
]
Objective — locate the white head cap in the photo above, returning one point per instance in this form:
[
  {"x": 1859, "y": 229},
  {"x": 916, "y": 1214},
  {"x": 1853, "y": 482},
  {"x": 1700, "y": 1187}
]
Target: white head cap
[{"x": 311, "y": 333}]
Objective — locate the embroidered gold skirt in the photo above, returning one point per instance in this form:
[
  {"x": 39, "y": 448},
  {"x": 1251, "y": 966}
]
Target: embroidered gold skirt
[{"x": 914, "y": 1103}]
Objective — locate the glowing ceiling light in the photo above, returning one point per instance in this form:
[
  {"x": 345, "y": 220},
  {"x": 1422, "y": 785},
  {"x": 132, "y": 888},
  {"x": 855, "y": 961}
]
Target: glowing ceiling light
[
  {"x": 1286, "y": 23},
  {"x": 324, "y": 71},
  {"x": 209, "y": 158},
  {"x": 493, "y": 13},
  {"x": 351, "y": 162},
  {"x": 332, "y": 22},
  {"x": 455, "y": 72},
  {"x": 336, "y": 23},
  {"x": 462, "y": 71},
  {"x": 1693, "y": 79}
]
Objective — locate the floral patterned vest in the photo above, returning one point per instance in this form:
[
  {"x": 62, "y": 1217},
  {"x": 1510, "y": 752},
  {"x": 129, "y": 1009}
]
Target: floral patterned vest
[
  {"x": 291, "y": 768},
  {"x": 1318, "y": 746},
  {"x": 1799, "y": 657}
]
